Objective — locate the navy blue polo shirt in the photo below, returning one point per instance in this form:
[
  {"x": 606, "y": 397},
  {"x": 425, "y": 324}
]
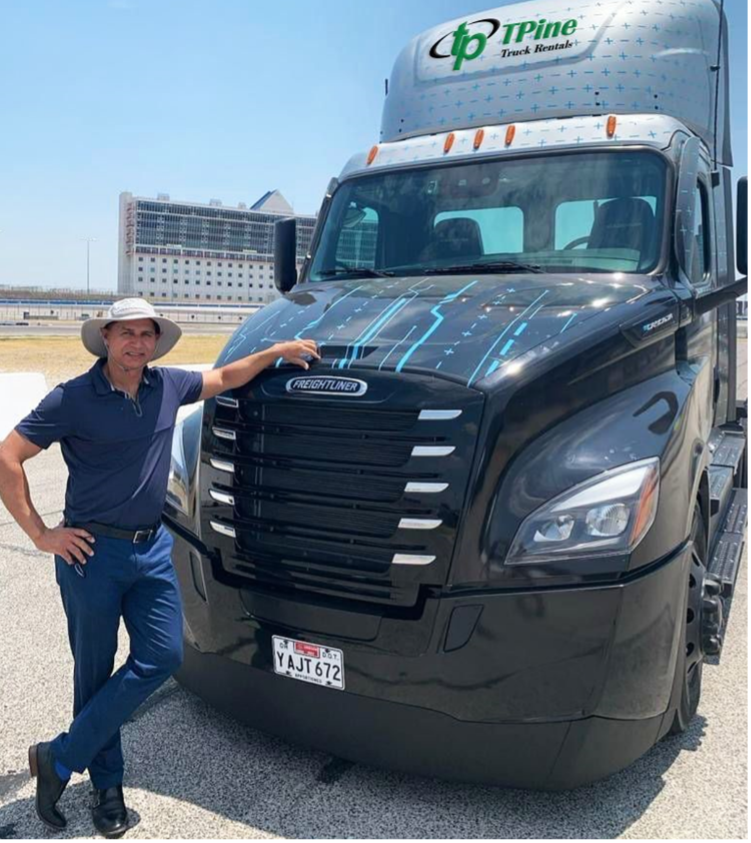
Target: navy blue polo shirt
[{"x": 118, "y": 462}]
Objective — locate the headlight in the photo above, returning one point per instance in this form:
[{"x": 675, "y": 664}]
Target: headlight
[
  {"x": 178, "y": 483},
  {"x": 606, "y": 515}
]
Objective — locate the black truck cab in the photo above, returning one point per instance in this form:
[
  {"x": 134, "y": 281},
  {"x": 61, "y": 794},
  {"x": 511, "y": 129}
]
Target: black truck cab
[{"x": 490, "y": 535}]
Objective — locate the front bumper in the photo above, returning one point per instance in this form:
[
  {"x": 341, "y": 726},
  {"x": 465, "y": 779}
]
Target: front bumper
[{"x": 547, "y": 689}]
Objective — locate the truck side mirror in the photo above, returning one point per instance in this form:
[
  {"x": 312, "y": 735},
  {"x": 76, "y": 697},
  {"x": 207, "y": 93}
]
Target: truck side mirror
[
  {"x": 741, "y": 230},
  {"x": 285, "y": 254}
]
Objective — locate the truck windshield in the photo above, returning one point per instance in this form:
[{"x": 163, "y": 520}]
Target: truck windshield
[{"x": 597, "y": 212}]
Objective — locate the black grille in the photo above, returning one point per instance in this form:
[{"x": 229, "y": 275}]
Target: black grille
[
  {"x": 310, "y": 448},
  {"x": 343, "y": 419},
  {"x": 319, "y": 487}
]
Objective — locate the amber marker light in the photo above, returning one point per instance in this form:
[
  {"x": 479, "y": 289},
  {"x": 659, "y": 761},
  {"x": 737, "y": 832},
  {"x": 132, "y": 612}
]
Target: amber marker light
[
  {"x": 448, "y": 143},
  {"x": 372, "y": 154},
  {"x": 611, "y": 125},
  {"x": 510, "y": 132},
  {"x": 479, "y": 137}
]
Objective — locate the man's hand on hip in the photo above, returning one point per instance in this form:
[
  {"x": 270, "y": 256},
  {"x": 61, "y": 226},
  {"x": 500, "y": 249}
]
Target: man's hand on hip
[{"x": 69, "y": 542}]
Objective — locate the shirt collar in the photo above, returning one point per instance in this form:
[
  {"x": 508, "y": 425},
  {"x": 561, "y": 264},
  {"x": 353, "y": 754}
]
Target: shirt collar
[{"x": 103, "y": 387}]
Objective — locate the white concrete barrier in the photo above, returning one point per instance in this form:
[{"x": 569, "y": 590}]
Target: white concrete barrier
[{"x": 20, "y": 392}]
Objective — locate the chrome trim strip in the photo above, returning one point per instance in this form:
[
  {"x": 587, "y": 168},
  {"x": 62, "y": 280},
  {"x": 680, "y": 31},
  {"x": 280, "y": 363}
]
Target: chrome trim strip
[
  {"x": 223, "y": 529},
  {"x": 438, "y": 415},
  {"x": 227, "y": 402},
  {"x": 432, "y": 450},
  {"x": 222, "y": 497},
  {"x": 419, "y": 523},
  {"x": 426, "y": 488},
  {"x": 224, "y": 434},
  {"x": 221, "y": 465},
  {"x": 417, "y": 561}
]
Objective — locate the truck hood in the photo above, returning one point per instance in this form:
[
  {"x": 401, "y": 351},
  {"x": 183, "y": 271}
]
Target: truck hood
[{"x": 458, "y": 326}]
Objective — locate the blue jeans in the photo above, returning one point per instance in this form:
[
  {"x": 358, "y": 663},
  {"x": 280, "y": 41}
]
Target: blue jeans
[{"x": 138, "y": 583}]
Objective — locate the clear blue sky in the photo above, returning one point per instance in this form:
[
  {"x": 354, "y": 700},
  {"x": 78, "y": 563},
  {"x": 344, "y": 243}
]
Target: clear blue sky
[{"x": 198, "y": 99}]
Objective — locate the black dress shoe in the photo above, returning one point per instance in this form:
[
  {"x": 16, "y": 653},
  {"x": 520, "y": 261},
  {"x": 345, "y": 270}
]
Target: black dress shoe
[
  {"x": 50, "y": 786},
  {"x": 109, "y": 812}
]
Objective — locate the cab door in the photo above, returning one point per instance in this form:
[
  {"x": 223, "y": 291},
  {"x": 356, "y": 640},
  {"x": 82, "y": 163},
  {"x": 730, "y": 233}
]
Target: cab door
[{"x": 697, "y": 259}]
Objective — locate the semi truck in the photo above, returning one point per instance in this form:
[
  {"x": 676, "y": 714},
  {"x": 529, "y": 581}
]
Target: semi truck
[{"x": 491, "y": 535}]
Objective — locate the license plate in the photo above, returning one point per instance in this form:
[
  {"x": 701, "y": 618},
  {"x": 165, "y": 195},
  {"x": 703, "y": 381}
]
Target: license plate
[{"x": 309, "y": 662}]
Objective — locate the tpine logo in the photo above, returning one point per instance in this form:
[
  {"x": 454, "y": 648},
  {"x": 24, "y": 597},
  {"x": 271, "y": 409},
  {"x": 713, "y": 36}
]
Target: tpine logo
[{"x": 468, "y": 46}]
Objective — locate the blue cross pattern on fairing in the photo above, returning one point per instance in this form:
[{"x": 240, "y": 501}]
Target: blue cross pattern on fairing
[{"x": 632, "y": 57}]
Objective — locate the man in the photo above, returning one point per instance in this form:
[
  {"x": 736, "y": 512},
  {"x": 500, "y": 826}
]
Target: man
[{"x": 112, "y": 554}]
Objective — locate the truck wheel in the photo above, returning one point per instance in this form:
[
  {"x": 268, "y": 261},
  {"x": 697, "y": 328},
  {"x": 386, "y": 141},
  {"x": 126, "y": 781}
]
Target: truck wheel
[{"x": 693, "y": 656}]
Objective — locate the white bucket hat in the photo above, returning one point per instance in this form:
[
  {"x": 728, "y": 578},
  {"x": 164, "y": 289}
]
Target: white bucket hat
[{"x": 127, "y": 310}]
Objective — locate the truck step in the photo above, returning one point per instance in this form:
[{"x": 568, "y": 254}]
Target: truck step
[
  {"x": 720, "y": 488},
  {"x": 743, "y": 423},
  {"x": 727, "y": 448},
  {"x": 728, "y": 550},
  {"x": 737, "y": 518}
]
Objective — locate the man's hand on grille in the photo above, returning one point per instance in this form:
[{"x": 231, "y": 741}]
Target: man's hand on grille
[{"x": 296, "y": 351}]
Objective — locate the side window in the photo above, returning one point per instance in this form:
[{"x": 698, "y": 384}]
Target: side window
[
  {"x": 719, "y": 241},
  {"x": 699, "y": 239},
  {"x": 495, "y": 230},
  {"x": 357, "y": 241}
]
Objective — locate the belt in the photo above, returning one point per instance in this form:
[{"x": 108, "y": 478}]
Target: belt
[{"x": 135, "y": 536}]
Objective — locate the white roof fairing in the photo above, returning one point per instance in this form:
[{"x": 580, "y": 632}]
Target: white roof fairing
[
  {"x": 653, "y": 130},
  {"x": 621, "y": 57}
]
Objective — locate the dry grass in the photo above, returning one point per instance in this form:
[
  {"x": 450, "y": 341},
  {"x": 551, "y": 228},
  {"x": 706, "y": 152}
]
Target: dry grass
[{"x": 62, "y": 358}]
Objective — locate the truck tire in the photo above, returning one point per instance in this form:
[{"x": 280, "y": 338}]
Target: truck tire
[{"x": 693, "y": 657}]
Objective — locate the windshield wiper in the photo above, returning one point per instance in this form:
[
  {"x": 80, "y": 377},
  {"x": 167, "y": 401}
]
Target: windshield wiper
[
  {"x": 486, "y": 266},
  {"x": 356, "y": 272}
]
